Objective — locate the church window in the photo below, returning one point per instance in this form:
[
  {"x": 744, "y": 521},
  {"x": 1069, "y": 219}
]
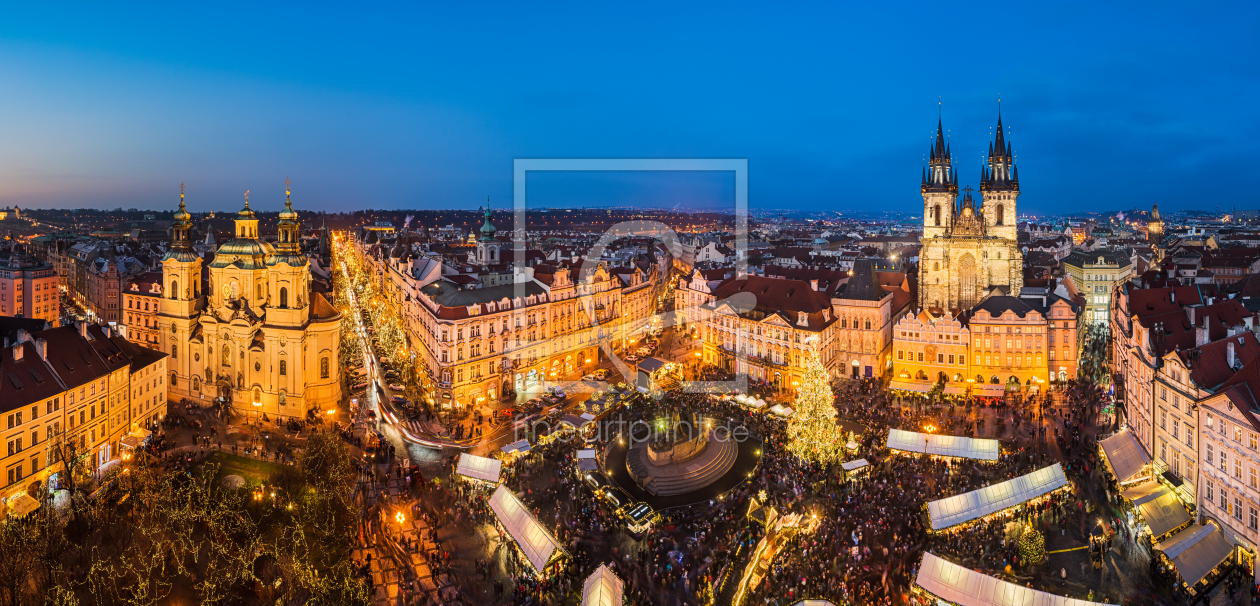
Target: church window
[
  {"x": 172, "y": 379},
  {"x": 1001, "y": 214},
  {"x": 284, "y": 367},
  {"x": 260, "y": 290},
  {"x": 174, "y": 288},
  {"x": 284, "y": 297},
  {"x": 868, "y": 325},
  {"x": 936, "y": 212},
  {"x": 257, "y": 395},
  {"x": 323, "y": 368},
  {"x": 227, "y": 356},
  {"x": 936, "y": 266},
  {"x": 257, "y": 367},
  {"x": 196, "y": 383}
]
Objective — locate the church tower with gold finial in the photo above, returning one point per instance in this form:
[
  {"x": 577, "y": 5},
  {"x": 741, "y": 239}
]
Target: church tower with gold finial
[
  {"x": 1155, "y": 232},
  {"x": 181, "y": 295},
  {"x": 261, "y": 340}
]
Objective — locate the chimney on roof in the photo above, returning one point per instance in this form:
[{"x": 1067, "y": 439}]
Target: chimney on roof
[
  {"x": 1201, "y": 333},
  {"x": 41, "y": 347},
  {"x": 1229, "y": 354},
  {"x": 813, "y": 284},
  {"x": 18, "y": 350},
  {"x": 83, "y": 329},
  {"x": 1190, "y": 312}
]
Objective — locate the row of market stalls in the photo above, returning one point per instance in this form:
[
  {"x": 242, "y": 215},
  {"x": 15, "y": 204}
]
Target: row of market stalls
[
  {"x": 950, "y": 583},
  {"x": 755, "y": 403},
  {"x": 968, "y": 507},
  {"x": 944, "y": 446},
  {"x": 1200, "y": 553},
  {"x": 957, "y": 389}
]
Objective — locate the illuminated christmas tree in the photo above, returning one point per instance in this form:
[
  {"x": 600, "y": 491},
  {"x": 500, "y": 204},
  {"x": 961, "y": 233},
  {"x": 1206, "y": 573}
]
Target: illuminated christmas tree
[
  {"x": 812, "y": 432},
  {"x": 1032, "y": 546}
]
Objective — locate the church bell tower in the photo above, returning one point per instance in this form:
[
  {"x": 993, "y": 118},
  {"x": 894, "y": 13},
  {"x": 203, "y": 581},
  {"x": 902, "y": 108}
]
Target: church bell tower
[{"x": 939, "y": 187}]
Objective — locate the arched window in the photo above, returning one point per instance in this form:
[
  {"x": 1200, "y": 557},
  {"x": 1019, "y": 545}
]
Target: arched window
[
  {"x": 172, "y": 379},
  {"x": 868, "y": 325},
  {"x": 323, "y": 368},
  {"x": 936, "y": 212},
  {"x": 227, "y": 356},
  {"x": 284, "y": 367},
  {"x": 284, "y": 297},
  {"x": 258, "y": 395},
  {"x": 174, "y": 288},
  {"x": 284, "y": 398},
  {"x": 1001, "y": 213},
  {"x": 196, "y": 383},
  {"x": 260, "y": 290}
]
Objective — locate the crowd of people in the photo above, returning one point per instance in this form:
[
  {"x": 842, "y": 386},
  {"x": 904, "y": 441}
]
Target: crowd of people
[{"x": 865, "y": 535}]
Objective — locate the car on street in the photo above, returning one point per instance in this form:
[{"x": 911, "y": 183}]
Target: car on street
[
  {"x": 358, "y": 385},
  {"x": 396, "y": 387},
  {"x": 601, "y": 374},
  {"x": 398, "y": 399},
  {"x": 590, "y": 377}
]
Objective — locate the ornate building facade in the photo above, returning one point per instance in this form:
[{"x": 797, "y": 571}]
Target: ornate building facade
[
  {"x": 969, "y": 251},
  {"x": 258, "y": 337}
]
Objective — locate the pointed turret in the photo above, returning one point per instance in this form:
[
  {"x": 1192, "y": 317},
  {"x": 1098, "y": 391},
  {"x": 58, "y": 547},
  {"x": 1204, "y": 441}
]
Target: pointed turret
[
  {"x": 181, "y": 226},
  {"x": 999, "y": 186},
  {"x": 288, "y": 228}
]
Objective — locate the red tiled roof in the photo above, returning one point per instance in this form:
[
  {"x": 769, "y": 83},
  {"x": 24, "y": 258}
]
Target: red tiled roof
[{"x": 1208, "y": 364}]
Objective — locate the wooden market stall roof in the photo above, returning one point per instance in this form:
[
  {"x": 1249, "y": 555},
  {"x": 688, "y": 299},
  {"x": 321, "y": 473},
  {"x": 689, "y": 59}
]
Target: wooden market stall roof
[
  {"x": 965, "y": 587},
  {"x": 602, "y": 588},
  {"x": 479, "y": 468},
  {"x": 1158, "y": 506},
  {"x": 945, "y": 446},
  {"x": 1124, "y": 454},
  {"x": 991, "y": 499},
  {"x": 538, "y": 545}
]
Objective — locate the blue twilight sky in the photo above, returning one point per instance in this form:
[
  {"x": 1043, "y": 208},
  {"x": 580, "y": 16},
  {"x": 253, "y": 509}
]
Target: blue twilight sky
[{"x": 1109, "y": 105}]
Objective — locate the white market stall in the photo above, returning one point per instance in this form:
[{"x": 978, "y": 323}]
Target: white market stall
[
  {"x": 479, "y": 468},
  {"x": 781, "y": 410},
  {"x": 538, "y": 545},
  {"x": 1123, "y": 453},
  {"x": 962, "y": 508},
  {"x": 1196, "y": 551},
  {"x": 944, "y": 446},
  {"x": 602, "y": 588},
  {"x": 1158, "y": 507},
  {"x": 954, "y": 584},
  {"x": 586, "y": 453}
]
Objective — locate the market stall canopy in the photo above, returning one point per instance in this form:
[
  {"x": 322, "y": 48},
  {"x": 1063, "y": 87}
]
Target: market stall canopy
[
  {"x": 741, "y": 398},
  {"x": 965, "y": 587},
  {"x": 537, "y": 544},
  {"x": 1195, "y": 551},
  {"x": 602, "y": 588},
  {"x": 1124, "y": 454},
  {"x": 573, "y": 421},
  {"x": 758, "y": 403},
  {"x": 944, "y": 446},
  {"x": 955, "y": 389},
  {"x": 976, "y": 504},
  {"x": 852, "y": 465},
  {"x": 521, "y": 445},
  {"x": 781, "y": 410},
  {"x": 479, "y": 468},
  {"x": 22, "y": 504},
  {"x": 1158, "y": 506},
  {"x": 988, "y": 390},
  {"x": 586, "y": 454},
  {"x": 135, "y": 438},
  {"x": 919, "y": 386},
  {"x": 652, "y": 364},
  {"x": 587, "y": 465}
]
